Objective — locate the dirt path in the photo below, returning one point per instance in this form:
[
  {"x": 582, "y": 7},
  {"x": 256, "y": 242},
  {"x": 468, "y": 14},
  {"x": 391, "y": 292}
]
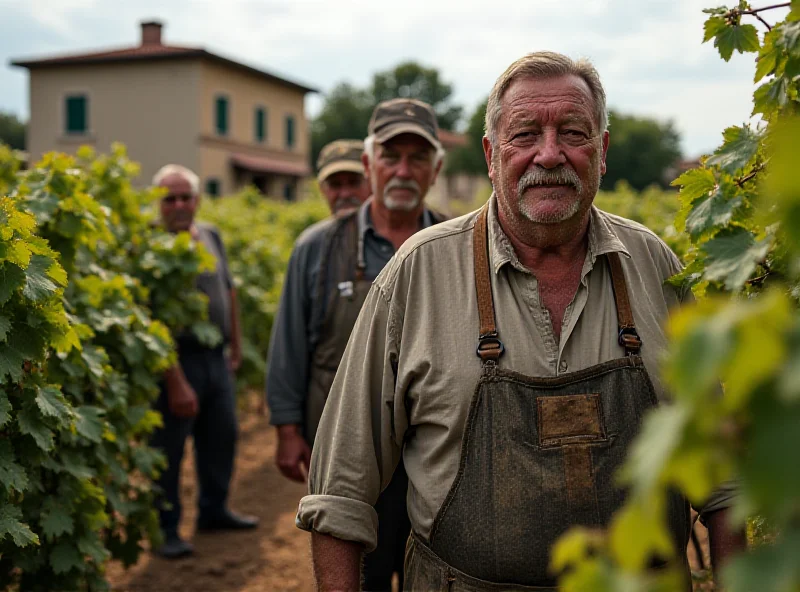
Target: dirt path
[{"x": 274, "y": 557}]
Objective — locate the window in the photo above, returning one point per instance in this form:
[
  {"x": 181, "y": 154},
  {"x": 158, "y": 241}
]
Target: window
[
  {"x": 212, "y": 187},
  {"x": 288, "y": 192},
  {"x": 77, "y": 114},
  {"x": 261, "y": 124},
  {"x": 221, "y": 113},
  {"x": 289, "y": 131}
]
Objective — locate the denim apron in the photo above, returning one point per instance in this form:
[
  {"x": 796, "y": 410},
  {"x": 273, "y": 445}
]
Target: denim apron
[{"x": 538, "y": 456}]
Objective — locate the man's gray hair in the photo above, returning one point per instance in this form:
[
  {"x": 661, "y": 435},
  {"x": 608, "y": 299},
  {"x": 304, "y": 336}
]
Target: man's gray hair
[
  {"x": 542, "y": 65},
  {"x": 175, "y": 169},
  {"x": 369, "y": 150}
]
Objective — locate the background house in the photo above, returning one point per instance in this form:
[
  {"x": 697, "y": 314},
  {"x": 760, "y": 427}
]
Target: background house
[{"x": 233, "y": 124}]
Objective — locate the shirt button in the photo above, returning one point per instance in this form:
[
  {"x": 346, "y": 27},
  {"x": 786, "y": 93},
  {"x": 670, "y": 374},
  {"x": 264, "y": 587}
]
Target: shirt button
[{"x": 563, "y": 366}]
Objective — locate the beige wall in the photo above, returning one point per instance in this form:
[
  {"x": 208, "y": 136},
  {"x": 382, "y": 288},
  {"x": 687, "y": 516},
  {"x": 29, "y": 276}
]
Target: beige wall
[
  {"x": 245, "y": 92},
  {"x": 150, "y": 106}
]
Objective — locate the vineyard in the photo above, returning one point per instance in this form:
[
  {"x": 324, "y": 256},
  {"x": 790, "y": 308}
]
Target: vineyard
[{"x": 91, "y": 292}]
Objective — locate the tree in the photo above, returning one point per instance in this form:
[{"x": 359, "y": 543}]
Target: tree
[
  {"x": 346, "y": 111},
  {"x": 640, "y": 150},
  {"x": 345, "y": 115},
  {"x": 470, "y": 159},
  {"x": 12, "y": 131},
  {"x": 413, "y": 81}
]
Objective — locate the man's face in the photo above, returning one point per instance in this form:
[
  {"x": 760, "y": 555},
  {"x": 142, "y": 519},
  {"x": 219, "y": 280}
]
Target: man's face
[
  {"x": 401, "y": 171},
  {"x": 179, "y": 205},
  {"x": 345, "y": 190},
  {"x": 549, "y": 156}
]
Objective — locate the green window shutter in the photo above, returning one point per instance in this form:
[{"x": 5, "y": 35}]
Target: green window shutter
[
  {"x": 289, "y": 131},
  {"x": 212, "y": 187},
  {"x": 77, "y": 108},
  {"x": 222, "y": 116},
  {"x": 261, "y": 124}
]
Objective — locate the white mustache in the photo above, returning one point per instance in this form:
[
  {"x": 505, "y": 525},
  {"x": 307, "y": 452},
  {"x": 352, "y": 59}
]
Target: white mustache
[
  {"x": 409, "y": 184},
  {"x": 542, "y": 176}
]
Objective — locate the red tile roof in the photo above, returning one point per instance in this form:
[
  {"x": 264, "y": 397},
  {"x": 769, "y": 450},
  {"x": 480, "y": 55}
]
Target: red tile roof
[
  {"x": 151, "y": 51},
  {"x": 452, "y": 139},
  {"x": 262, "y": 164}
]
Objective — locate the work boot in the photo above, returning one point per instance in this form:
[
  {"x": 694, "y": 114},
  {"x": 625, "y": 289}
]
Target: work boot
[
  {"x": 226, "y": 521},
  {"x": 174, "y": 547}
]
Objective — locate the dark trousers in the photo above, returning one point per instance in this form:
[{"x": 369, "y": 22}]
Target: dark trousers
[
  {"x": 394, "y": 528},
  {"x": 214, "y": 431}
]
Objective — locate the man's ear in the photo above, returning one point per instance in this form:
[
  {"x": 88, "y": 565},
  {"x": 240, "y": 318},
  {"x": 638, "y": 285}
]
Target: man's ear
[
  {"x": 488, "y": 150},
  {"x": 605, "y": 151},
  {"x": 365, "y": 163}
]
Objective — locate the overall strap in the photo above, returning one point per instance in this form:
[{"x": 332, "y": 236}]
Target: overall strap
[
  {"x": 490, "y": 348},
  {"x": 628, "y": 336}
]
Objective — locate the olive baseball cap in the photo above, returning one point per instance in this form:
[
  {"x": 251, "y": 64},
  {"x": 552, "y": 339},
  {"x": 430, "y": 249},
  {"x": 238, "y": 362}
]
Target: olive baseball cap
[
  {"x": 404, "y": 116},
  {"x": 340, "y": 156}
]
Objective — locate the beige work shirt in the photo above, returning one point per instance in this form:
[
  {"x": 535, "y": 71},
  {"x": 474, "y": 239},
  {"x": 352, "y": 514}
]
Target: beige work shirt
[{"x": 410, "y": 369}]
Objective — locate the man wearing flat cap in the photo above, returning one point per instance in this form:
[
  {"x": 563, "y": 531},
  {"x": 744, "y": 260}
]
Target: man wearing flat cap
[
  {"x": 330, "y": 273},
  {"x": 341, "y": 175}
]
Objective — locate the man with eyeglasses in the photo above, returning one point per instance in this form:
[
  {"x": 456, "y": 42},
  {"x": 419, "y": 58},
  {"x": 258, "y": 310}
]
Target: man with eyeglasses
[
  {"x": 197, "y": 396},
  {"x": 330, "y": 273}
]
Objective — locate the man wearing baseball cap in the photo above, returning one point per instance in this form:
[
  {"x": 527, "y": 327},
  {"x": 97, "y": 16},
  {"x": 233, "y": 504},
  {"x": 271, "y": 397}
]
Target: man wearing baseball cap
[
  {"x": 330, "y": 272},
  {"x": 341, "y": 175}
]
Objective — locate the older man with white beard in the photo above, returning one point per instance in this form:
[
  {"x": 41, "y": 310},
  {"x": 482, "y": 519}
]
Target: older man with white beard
[
  {"x": 329, "y": 275},
  {"x": 506, "y": 359}
]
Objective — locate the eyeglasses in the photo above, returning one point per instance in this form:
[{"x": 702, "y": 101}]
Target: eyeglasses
[{"x": 183, "y": 198}]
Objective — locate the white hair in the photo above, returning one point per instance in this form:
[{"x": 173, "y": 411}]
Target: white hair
[
  {"x": 542, "y": 65},
  {"x": 175, "y": 169},
  {"x": 369, "y": 150}
]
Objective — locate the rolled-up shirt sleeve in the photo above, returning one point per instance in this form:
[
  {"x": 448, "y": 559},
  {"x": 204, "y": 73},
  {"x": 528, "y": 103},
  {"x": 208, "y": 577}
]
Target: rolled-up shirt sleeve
[
  {"x": 288, "y": 359},
  {"x": 359, "y": 441}
]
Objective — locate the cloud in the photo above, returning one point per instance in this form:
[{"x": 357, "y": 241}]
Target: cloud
[{"x": 649, "y": 54}]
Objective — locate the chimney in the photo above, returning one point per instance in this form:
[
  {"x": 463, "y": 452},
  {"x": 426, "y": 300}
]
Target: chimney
[{"x": 151, "y": 33}]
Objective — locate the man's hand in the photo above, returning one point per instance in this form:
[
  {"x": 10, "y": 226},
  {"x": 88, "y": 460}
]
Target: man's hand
[
  {"x": 293, "y": 456},
  {"x": 182, "y": 399}
]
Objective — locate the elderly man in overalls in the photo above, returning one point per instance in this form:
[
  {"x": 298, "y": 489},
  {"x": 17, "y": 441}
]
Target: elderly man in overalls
[
  {"x": 564, "y": 306},
  {"x": 330, "y": 273}
]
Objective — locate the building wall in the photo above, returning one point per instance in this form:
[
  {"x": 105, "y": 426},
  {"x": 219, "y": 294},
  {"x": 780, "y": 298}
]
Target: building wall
[
  {"x": 151, "y": 107},
  {"x": 245, "y": 92}
]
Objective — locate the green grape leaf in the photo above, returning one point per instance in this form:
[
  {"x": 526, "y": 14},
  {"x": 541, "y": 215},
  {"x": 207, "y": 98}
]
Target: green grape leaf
[
  {"x": 767, "y": 567},
  {"x": 56, "y": 519},
  {"x": 65, "y": 557},
  {"x": 91, "y": 545},
  {"x": 742, "y": 38},
  {"x": 768, "y": 57},
  {"x": 771, "y": 96},
  {"x": 89, "y": 422},
  {"x": 207, "y": 333},
  {"x": 638, "y": 533},
  {"x": 12, "y": 476},
  {"x": 572, "y": 547},
  {"x": 5, "y": 408},
  {"x": 11, "y": 526},
  {"x": 5, "y": 327},
  {"x": 714, "y": 212},
  {"x": 11, "y": 362},
  {"x": 38, "y": 285},
  {"x": 52, "y": 403},
  {"x": 713, "y": 27},
  {"x": 739, "y": 147},
  {"x": 74, "y": 463},
  {"x": 12, "y": 277},
  {"x": 695, "y": 183},
  {"x": 30, "y": 422},
  {"x": 733, "y": 256}
]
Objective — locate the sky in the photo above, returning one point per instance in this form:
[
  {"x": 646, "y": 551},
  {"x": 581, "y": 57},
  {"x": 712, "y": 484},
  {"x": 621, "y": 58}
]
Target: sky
[{"x": 649, "y": 53}]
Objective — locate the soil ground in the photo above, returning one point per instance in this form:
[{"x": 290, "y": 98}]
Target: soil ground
[{"x": 273, "y": 558}]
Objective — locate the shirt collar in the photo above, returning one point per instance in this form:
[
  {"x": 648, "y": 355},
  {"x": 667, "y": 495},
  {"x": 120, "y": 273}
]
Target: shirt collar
[
  {"x": 365, "y": 218},
  {"x": 602, "y": 239}
]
